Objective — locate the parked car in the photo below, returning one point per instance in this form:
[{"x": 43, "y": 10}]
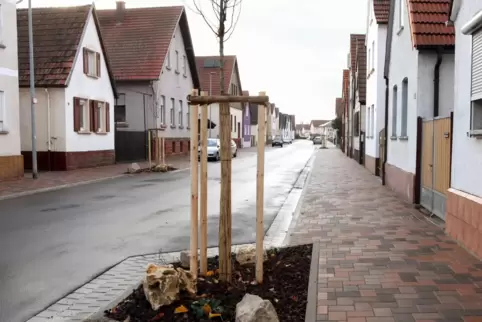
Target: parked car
[
  {"x": 277, "y": 141},
  {"x": 214, "y": 152},
  {"x": 286, "y": 140},
  {"x": 317, "y": 140}
]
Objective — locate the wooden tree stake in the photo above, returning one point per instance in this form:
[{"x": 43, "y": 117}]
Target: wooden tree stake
[
  {"x": 260, "y": 192},
  {"x": 225, "y": 227},
  {"x": 204, "y": 189},
  {"x": 194, "y": 188}
]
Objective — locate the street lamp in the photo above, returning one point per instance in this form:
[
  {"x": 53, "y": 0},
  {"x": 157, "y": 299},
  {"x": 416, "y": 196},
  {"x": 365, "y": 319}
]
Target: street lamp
[{"x": 33, "y": 100}]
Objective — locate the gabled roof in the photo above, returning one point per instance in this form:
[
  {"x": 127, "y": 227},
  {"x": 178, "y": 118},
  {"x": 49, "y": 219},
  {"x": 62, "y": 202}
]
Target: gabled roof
[
  {"x": 353, "y": 46},
  {"x": 317, "y": 123},
  {"x": 361, "y": 55},
  {"x": 139, "y": 43},
  {"x": 57, "y": 39},
  {"x": 210, "y": 64},
  {"x": 382, "y": 11}
]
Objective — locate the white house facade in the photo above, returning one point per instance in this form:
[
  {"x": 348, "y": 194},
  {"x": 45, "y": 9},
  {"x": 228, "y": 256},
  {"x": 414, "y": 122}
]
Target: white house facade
[
  {"x": 378, "y": 11},
  {"x": 11, "y": 160},
  {"x": 74, "y": 107},
  {"x": 410, "y": 66},
  {"x": 464, "y": 204},
  {"x": 153, "y": 84}
]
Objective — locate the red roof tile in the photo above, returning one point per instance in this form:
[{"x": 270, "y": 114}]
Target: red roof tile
[
  {"x": 138, "y": 44},
  {"x": 427, "y": 19},
  {"x": 361, "y": 54},
  {"x": 214, "y": 82},
  {"x": 382, "y": 10},
  {"x": 57, "y": 34},
  {"x": 346, "y": 89},
  {"x": 353, "y": 45}
]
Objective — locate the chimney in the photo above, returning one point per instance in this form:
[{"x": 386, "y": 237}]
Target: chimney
[{"x": 120, "y": 10}]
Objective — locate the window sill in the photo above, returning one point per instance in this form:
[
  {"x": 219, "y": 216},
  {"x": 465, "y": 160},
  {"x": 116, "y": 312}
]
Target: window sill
[
  {"x": 177, "y": 72},
  {"x": 403, "y": 138},
  {"x": 185, "y": 76},
  {"x": 163, "y": 126},
  {"x": 92, "y": 76},
  {"x": 181, "y": 127},
  {"x": 102, "y": 133},
  {"x": 84, "y": 132},
  {"x": 393, "y": 138},
  {"x": 168, "y": 67},
  {"x": 3, "y": 132},
  {"x": 173, "y": 126},
  {"x": 188, "y": 128},
  {"x": 122, "y": 124},
  {"x": 475, "y": 134}
]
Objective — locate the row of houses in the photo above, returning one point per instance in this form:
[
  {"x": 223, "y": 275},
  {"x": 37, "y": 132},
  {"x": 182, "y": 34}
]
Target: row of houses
[
  {"x": 314, "y": 128},
  {"x": 104, "y": 79},
  {"x": 411, "y": 107}
]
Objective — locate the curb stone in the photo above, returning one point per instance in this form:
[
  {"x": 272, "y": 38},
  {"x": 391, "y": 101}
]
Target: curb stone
[
  {"x": 70, "y": 185},
  {"x": 312, "y": 296},
  {"x": 88, "y": 302}
]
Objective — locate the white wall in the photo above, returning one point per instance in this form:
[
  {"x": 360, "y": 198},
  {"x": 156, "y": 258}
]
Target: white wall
[
  {"x": 466, "y": 152},
  {"x": 9, "y": 142},
  {"x": 140, "y": 111},
  {"x": 82, "y": 86},
  {"x": 403, "y": 63},
  {"x": 375, "y": 94},
  {"x": 58, "y": 136},
  {"x": 215, "y": 118},
  {"x": 175, "y": 85}
]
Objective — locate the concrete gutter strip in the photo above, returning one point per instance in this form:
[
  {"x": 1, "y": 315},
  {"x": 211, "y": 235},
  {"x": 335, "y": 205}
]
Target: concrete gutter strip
[{"x": 312, "y": 296}]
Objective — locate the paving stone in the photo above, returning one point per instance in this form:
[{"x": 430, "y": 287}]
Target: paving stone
[{"x": 380, "y": 252}]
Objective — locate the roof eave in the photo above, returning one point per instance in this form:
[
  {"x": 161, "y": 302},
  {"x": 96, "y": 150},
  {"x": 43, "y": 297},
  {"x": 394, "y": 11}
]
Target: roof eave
[
  {"x": 189, "y": 48},
  {"x": 388, "y": 44}
]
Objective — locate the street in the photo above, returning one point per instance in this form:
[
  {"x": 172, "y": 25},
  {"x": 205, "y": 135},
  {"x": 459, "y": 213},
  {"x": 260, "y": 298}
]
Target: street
[{"x": 56, "y": 241}]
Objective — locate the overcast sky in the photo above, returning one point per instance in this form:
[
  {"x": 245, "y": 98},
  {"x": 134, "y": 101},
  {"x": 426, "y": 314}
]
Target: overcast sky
[{"x": 294, "y": 50}]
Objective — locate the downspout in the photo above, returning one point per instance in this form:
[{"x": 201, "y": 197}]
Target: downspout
[
  {"x": 436, "y": 83},
  {"x": 49, "y": 135},
  {"x": 385, "y": 142}
]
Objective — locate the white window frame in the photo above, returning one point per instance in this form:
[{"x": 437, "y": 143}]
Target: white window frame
[
  {"x": 184, "y": 66},
  {"x": 181, "y": 118},
  {"x": 101, "y": 117},
  {"x": 92, "y": 63},
  {"x": 3, "y": 112},
  {"x": 394, "y": 111},
  {"x": 401, "y": 14},
  {"x": 84, "y": 115},
  {"x": 404, "y": 109},
  {"x": 177, "y": 61},
  {"x": 163, "y": 110},
  {"x": 373, "y": 55},
  {"x": 172, "y": 112},
  {"x": 475, "y": 96},
  {"x": 168, "y": 58}
]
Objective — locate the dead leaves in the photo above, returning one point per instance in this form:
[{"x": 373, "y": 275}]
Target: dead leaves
[{"x": 180, "y": 309}]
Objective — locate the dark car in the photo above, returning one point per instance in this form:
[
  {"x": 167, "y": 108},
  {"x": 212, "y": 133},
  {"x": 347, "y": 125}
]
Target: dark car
[
  {"x": 277, "y": 141},
  {"x": 317, "y": 140}
]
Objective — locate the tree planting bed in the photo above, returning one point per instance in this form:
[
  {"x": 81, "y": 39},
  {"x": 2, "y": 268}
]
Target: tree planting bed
[{"x": 285, "y": 285}]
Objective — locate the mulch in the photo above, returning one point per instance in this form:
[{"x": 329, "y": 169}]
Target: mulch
[{"x": 285, "y": 284}]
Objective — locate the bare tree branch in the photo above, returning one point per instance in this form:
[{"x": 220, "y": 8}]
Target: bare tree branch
[
  {"x": 206, "y": 20},
  {"x": 234, "y": 21}
]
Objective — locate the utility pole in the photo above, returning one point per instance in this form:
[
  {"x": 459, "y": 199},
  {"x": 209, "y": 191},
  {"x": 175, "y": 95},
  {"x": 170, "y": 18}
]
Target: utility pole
[
  {"x": 210, "y": 88},
  {"x": 33, "y": 100}
]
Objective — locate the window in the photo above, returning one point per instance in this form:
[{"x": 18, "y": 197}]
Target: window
[
  {"x": 403, "y": 132},
  {"x": 231, "y": 123},
  {"x": 394, "y": 112},
  {"x": 173, "y": 113},
  {"x": 476, "y": 86},
  {"x": 168, "y": 58},
  {"x": 91, "y": 63},
  {"x": 3, "y": 112},
  {"x": 181, "y": 119},
  {"x": 120, "y": 109},
  {"x": 184, "y": 66},
  {"x": 163, "y": 110},
  {"x": 356, "y": 124},
  {"x": 177, "y": 61},
  {"x": 369, "y": 120},
  {"x": 401, "y": 13},
  {"x": 373, "y": 55},
  {"x": 373, "y": 121},
  {"x": 235, "y": 124},
  {"x": 173, "y": 146},
  {"x": 91, "y": 116}
]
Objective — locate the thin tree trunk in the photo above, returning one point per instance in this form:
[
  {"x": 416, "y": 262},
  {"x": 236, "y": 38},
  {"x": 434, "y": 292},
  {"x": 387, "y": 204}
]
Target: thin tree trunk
[{"x": 225, "y": 138}]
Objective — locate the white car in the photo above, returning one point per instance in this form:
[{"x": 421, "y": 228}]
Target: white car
[{"x": 214, "y": 149}]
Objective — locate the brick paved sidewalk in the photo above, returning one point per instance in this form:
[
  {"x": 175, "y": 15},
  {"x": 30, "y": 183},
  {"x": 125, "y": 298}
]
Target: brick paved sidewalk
[
  {"x": 61, "y": 179},
  {"x": 380, "y": 260}
]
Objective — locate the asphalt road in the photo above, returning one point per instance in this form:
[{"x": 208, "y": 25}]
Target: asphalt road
[{"x": 53, "y": 242}]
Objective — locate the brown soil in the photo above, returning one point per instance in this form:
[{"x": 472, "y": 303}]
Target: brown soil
[{"x": 286, "y": 275}]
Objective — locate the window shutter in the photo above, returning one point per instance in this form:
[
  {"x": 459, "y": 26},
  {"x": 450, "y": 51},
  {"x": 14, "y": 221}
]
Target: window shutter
[
  {"x": 86, "y": 60},
  {"x": 77, "y": 111},
  {"x": 477, "y": 65},
  {"x": 97, "y": 58},
  {"x": 107, "y": 117},
  {"x": 93, "y": 116}
]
